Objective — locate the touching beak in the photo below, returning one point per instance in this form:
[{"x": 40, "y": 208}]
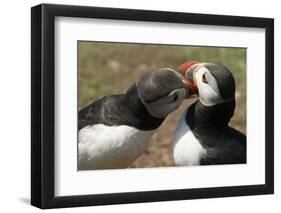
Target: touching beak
[{"x": 188, "y": 70}]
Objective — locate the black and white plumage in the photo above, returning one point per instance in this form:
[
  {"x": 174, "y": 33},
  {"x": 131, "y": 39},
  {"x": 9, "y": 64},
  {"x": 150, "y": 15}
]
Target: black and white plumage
[
  {"x": 115, "y": 130},
  {"x": 203, "y": 136}
]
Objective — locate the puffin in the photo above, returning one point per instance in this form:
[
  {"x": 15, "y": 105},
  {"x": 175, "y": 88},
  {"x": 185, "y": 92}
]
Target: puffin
[
  {"x": 115, "y": 130},
  {"x": 203, "y": 135}
]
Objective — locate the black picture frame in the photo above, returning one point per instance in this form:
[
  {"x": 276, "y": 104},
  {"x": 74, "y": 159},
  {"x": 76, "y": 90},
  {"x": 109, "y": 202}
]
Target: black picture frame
[{"x": 43, "y": 102}]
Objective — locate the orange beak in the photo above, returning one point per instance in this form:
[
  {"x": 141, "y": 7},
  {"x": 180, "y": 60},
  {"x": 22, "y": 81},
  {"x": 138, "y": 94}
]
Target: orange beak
[{"x": 190, "y": 84}]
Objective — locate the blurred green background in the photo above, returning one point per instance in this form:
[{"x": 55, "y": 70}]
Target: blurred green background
[{"x": 111, "y": 68}]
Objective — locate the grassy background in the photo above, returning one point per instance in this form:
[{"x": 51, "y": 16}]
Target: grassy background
[{"x": 111, "y": 68}]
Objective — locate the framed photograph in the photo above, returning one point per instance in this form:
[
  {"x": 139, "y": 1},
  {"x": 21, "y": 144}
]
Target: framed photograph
[{"x": 140, "y": 106}]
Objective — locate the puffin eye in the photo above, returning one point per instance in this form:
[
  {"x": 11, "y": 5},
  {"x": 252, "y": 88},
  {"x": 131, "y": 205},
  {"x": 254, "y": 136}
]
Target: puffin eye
[
  {"x": 175, "y": 98},
  {"x": 204, "y": 78}
]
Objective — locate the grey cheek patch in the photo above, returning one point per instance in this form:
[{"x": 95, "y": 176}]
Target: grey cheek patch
[
  {"x": 162, "y": 101},
  {"x": 174, "y": 96},
  {"x": 162, "y": 107}
]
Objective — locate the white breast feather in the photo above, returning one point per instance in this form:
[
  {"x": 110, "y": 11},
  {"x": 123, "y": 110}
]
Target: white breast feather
[
  {"x": 186, "y": 148},
  {"x": 104, "y": 147}
]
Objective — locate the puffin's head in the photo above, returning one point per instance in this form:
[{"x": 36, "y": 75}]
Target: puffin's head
[
  {"x": 214, "y": 82},
  {"x": 162, "y": 91}
]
